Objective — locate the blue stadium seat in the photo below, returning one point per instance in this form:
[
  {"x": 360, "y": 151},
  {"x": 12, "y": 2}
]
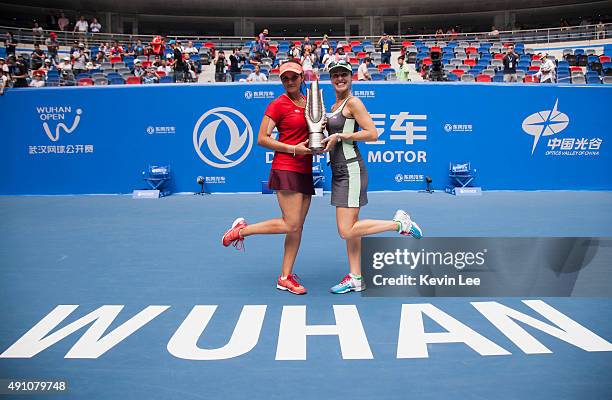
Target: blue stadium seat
[
  {"x": 116, "y": 81},
  {"x": 593, "y": 80},
  {"x": 498, "y": 78},
  {"x": 240, "y": 76},
  {"x": 166, "y": 79},
  {"x": 377, "y": 77},
  {"x": 451, "y": 77},
  {"x": 578, "y": 52}
]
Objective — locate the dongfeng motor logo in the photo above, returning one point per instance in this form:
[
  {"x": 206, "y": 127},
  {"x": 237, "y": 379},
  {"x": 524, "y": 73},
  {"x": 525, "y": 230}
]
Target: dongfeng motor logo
[
  {"x": 545, "y": 123},
  {"x": 223, "y": 137}
]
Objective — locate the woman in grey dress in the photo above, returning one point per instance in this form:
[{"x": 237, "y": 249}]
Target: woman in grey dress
[{"x": 350, "y": 176}]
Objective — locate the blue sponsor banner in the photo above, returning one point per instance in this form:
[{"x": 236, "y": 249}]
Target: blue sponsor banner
[{"x": 99, "y": 139}]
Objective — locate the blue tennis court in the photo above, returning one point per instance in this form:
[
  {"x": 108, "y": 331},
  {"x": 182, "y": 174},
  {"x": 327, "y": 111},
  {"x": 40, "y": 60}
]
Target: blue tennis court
[{"x": 93, "y": 251}]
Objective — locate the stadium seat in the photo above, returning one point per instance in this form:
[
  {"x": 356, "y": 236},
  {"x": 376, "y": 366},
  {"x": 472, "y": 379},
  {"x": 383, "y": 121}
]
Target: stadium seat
[
  {"x": 607, "y": 80},
  {"x": 579, "y": 52},
  {"x": 116, "y": 81},
  {"x": 483, "y": 78},
  {"x": 451, "y": 77},
  {"x": 498, "y": 78},
  {"x": 530, "y": 79},
  {"x": 114, "y": 59},
  {"x": 604, "y": 59},
  {"x": 578, "y": 79},
  {"x": 133, "y": 80},
  {"x": 166, "y": 79},
  {"x": 593, "y": 80},
  {"x": 85, "y": 82},
  {"x": 575, "y": 69},
  {"x": 458, "y": 72},
  {"x": 470, "y": 62},
  {"x": 100, "y": 82},
  {"x": 534, "y": 68},
  {"x": 378, "y": 77}
]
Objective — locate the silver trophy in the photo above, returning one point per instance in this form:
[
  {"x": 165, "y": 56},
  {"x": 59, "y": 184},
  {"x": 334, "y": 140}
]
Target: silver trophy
[{"x": 315, "y": 117}]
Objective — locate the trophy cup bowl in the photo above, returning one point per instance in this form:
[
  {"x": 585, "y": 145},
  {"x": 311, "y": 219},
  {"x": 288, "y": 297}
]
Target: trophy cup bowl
[{"x": 315, "y": 117}]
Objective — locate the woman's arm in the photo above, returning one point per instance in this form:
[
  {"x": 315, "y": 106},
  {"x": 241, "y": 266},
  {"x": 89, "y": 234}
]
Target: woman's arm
[
  {"x": 368, "y": 130},
  {"x": 264, "y": 139}
]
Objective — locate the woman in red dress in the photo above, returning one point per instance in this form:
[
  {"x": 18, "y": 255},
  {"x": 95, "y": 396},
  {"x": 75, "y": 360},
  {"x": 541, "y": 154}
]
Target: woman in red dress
[{"x": 290, "y": 177}]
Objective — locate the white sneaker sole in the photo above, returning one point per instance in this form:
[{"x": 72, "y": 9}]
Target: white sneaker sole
[
  {"x": 359, "y": 289},
  {"x": 279, "y": 287}
]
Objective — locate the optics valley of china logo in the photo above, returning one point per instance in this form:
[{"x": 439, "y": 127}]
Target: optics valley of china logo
[
  {"x": 552, "y": 122},
  {"x": 58, "y": 121},
  {"x": 218, "y": 127}
]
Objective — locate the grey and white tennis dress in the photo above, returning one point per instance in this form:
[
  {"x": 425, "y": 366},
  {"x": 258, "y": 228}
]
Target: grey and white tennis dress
[{"x": 349, "y": 173}]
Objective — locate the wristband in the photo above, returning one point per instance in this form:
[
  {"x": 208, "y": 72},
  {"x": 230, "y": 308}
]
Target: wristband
[{"x": 338, "y": 138}]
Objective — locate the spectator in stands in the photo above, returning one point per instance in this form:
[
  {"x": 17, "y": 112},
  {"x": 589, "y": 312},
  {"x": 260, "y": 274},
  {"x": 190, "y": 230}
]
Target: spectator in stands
[
  {"x": 157, "y": 47},
  {"x": 116, "y": 50},
  {"x": 75, "y": 47},
  {"x": 95, "y": 26},
  {"x": 4, "y": 81},
  {"x": 65, "y": 64},
  {"x": 325, "y": 46},
  {"x": 257, "y": 76},
  {"x": 306, "y": 44},
  {"x": 3, "y": 66},
  {"x": 267, "y": 53},
  {"x": 81, "y": 58},
  {"x": 150, "y": 77},
  {"x": 262, "y": 39},
  {"x": 37, "y": 79},
  {"x": 308, "y": 61},
  {"x": 220, "y": 67},
  {"x": 37, "y": 57},
  {"x": 138, "y": 49},
  {"x": 494, "y": 34},
  {"x": 255, "y": 58},
  {"x": 10, "y": 43},
  {"x": 37, "y": 32},
  {"x": 104, "y": 48},
  {"x": 63, "y": 22},
  {"x": 47, "y": 66},
  {"x": 510, "y": 62},
  {"x": 439, "y": 33},
  {"x": 384, "y": 44},
  {"x": 402, "y": 70},
  {"x": 295, "y": 52},
  {"x": 362, "y": 72},
  {"x": 235, "y": 63},
  {"x": 600, "y": 30},
  {"x": 546, "y": 74},
  {"x": 328, "y": 57},
  {"x": 139, "y": 71},
  {"x": 164, "y": 67},
  {"x": 52, "y": 46},
  {"x": 129, "y": 50},
  {"x": 81, "y": 28},
  {"x": 101, "y": 57},
  {"x": 340, "y": 54},
  {"x": 564, "y": 24},
  {"x": 18, "y": 71},
  {"x": 179, "y": 62},
  {"x": 190, "y": 49}
]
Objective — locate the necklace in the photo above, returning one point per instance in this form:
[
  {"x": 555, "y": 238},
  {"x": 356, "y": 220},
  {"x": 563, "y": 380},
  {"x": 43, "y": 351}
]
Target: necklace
[{"x": 297, "y": 104}]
